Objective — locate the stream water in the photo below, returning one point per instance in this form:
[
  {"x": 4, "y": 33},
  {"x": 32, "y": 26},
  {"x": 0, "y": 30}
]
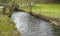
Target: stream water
[{"x": 29, "y": 25}]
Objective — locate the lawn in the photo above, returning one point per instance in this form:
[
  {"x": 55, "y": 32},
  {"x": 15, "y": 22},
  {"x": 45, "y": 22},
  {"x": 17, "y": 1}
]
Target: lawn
[{"x": 52, "y": 10}]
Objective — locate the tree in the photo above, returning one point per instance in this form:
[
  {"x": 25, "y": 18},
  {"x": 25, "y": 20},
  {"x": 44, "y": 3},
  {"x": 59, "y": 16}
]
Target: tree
[
  {"x": 5, "y": 4},
  {"x": 8, "y": 6}
]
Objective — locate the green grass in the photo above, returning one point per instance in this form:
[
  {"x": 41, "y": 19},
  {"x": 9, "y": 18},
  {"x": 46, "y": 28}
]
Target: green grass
[
  {"x": 52, "y": 10},
  {"x": 7, "y": 27}
]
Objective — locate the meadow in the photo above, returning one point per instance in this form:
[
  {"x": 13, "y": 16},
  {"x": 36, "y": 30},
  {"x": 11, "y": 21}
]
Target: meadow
[{"x": 52, "y": 10}]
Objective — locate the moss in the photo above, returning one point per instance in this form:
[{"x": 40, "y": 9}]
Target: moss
[{"x": 7, "y": 27}]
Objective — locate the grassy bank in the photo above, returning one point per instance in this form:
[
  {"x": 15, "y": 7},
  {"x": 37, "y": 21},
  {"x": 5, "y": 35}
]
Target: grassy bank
[
  {"x": 52, "y": 10},
  {"x": 7, "y": 27}
]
